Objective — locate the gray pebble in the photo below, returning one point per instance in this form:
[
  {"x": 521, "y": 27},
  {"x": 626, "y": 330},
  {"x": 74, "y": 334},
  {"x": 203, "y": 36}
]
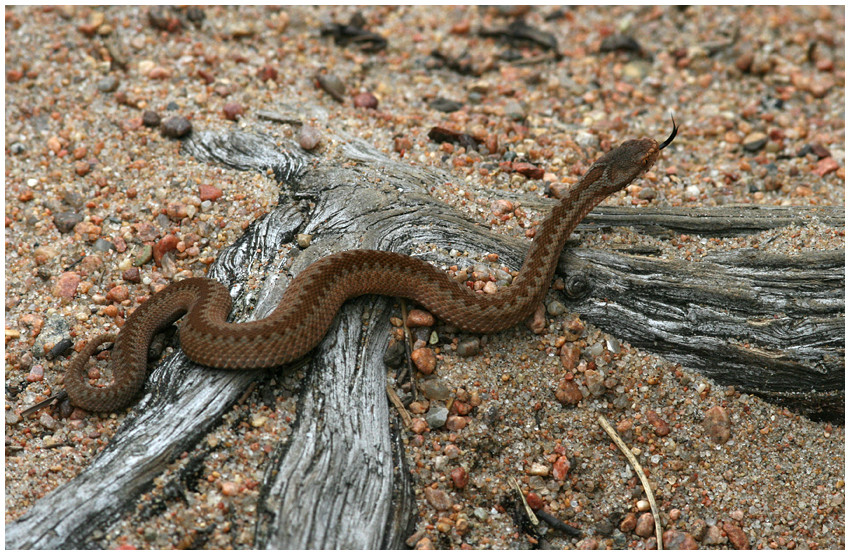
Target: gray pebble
[
  {"x": 150, "y": 118},
  {"x": 309, "y": 137},
  {"x": 435, "y": 390},
  {"x": 436, "y": 416},
  {"x": 65, "y": 221},
  {"x": 332, "y": 85},
  {"x": 108, "y": 84},
  {"x": 469, "y": 347},
  {"x": 556, "y": 308},
  {"x": 176, "y": 127}
]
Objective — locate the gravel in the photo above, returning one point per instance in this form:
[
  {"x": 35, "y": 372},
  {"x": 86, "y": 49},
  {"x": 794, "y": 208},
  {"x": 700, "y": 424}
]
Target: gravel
[{"x": 91, "y": 158}]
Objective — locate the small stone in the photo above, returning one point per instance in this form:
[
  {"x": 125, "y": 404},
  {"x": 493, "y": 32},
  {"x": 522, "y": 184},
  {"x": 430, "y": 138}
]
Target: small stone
[
  {"x": 36, "y": 374},
  {"x": 309, "y": 137},
  {"x": 233, "y": 111},
  {"x": 132, "y": 275},
  {"x": 675, "y": 539},
  {"x": 469, "y": 347},
  {"x": 435, "y": 390},
  {"x": 418, "y": 426},
  {"x": 736, "y": 536},
  {"x": 594, "y": 382},
  {"x": 303, "y": 240},
  {"x": 47, "y": 421},
  {"x": 456, "y": 423},
  {"x": 555, "y": 308},
  {"x": 537, "y": 322},
  {"x": 108, "y": 84},
  {"x": 645, "y": 525},
  {"x": 445, "y": 105},
  {"x": 714, "y": 536},
  {"x": 164, "y": 245},
  {"x": 588, "y": 544},
  {"x": 402, "y": 144},
  {"x": 737, "y": 514},
  {"x": 176, "y": 127},
  {"x": 150, "y": 118},
  {"x": 65, "y": 221},
  {"x": 332, "y": 85},
  {"x": 425, "y": 544},
  {"x": 534, "y": 501},
  {"x": 642, "y": 505},
  {"x": 437, "y": 416},
  {"x": 660, "y": 425},
  {"x": 66, "y": 285},
  {"x": 82, "y": 168},
  {"x": 698, "y": 529},
  {"x": 425, "y": 360},
  {"x": 460, "y": 478},
  {"x": 529, "y": 170},
  {"x": 118, "y": 294},
  {"x": 825, "y": 166},
  {"x": 438, "y": 499},
  {"x": 419, "y": 319},
  {"x": 573, "y": 328},
  {"x": 209, "y": 192},
  {"x": 538, "y": 469},
  {"x": 570, "y": 355},
  {"x": 717, "y": 425},
  {"x": 647, "y": 193},
  {"x": 755, "y": 141},
  {"x": 366, "y": 100},
  {"x": 229, "y": 488},
  {"x": 628, "y": 523},
  {"x": 267, "y": 73},
  {"x": 561, "y": 468},
  {"x": 568, "y": 392}
]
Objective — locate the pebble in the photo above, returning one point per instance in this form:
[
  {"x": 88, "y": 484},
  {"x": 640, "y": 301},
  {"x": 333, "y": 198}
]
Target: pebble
[
  {"x": 208, "y": 192},
  {"x": 309, "y": 137},
  {"x": 150, "y": 118},
  {"x": 717, "y": 425},
  {"x": 66, "y": 285},
  {"x": 436, "y": 416},
  {"x": 417, "y": 318},
  {"x": 332, "y": 85},
  {"x": 537, "y": 322},
  {"x": 628, "y": 523},
  {"x": 303, "y": 240},
  {"x": 555, "y": 308},
  {"x": 659, "y": 424},
  {"x": 645, "y": 525},
  {"x": 755, "y": 141},
  {"x": 676, "y": 539},
  {"x": 366, "y": 100},
  {"x": 438, "y": 499},
  {"x": 108, "y": 84},
  {"x": 435, "y": 390},
  {"x": 469, "y": 347},
  {"x": 456, "y": 423},
  {"x": 538, "y": 469},
  {"x": 176, "y": 127},
  {"x": 561, "y": 468},
  {"x": 36, "y": 374},
  {"x": 460, "y": 478},
  {"x": 66, "y": 221},
  {"x": 233, "y": 111},
  {"x": 425, "y": 360},
  {"x": 736, "y": 536},
  {"x": 445, "y": 105},
  {"x": 714, "y": 536},
  {"x": 568, "y": 392}
]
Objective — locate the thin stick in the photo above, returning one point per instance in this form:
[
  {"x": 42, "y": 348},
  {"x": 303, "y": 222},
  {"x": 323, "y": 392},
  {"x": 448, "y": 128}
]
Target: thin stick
[
  {"x": 405, "y": 416},
  {"x": 639, "y": 471}
]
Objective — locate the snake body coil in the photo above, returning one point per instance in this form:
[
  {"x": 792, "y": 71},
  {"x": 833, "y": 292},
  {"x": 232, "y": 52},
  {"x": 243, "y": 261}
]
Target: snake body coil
[{"x": 312, "y": 299}]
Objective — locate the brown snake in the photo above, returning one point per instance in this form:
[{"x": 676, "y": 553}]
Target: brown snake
[{"x": 312, "y": 299}]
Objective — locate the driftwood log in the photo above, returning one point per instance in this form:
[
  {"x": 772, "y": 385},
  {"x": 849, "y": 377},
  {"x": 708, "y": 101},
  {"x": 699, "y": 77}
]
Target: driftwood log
[{"x": 768, "y": 324}]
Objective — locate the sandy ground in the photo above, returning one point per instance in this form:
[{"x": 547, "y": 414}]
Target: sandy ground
[{"x": 759, "y": 95}]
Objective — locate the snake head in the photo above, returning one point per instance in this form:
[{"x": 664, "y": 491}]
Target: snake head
[{"x": 619, "y": 167}]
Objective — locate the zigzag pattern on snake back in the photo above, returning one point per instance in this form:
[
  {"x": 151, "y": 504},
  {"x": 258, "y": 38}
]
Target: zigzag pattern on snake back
[{"x": 315, "y": 295}]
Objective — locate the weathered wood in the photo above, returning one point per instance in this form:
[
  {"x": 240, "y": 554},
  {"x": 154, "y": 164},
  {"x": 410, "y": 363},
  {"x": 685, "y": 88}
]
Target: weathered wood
[{"x": 739, "y": 313}]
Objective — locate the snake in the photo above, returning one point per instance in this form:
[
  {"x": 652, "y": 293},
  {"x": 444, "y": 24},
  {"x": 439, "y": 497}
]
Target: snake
[{"x": 314, "y": 296}]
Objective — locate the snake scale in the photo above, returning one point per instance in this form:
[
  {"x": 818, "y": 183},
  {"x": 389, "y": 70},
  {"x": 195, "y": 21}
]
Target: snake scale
[{"x": 313, "y": 297}]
